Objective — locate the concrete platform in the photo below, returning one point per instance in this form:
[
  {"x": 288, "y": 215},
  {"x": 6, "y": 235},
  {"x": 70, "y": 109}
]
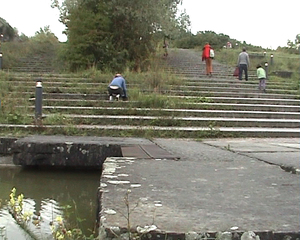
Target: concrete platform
[
  {"x": 227, "y": 186},
  {"x": 208, "y": 189}
]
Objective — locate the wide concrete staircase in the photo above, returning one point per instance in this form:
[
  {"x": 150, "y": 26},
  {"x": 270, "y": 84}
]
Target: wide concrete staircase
[{"x": 217, "y": 106}]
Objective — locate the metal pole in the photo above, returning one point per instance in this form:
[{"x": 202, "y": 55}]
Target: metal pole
[
  {"x": 38, "y": 101},
  {"x": 1, "y": 37},
  {"x": 272, "y": 56},
  {"x": 0, "y": 60},
  {"x": 266, "y": 68}
]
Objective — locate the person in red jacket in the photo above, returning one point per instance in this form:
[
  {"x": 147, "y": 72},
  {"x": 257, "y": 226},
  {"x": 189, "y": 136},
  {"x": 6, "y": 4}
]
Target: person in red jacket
[{"x": 207, "y": 58}]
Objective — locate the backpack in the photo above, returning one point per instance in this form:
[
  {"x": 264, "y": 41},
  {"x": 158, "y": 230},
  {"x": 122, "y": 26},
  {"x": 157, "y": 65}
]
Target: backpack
[{"x": 211, "y": 53}]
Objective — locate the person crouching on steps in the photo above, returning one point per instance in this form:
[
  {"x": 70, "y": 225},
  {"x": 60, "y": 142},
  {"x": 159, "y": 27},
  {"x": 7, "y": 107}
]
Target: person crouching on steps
[
  {"x": 261, "y": 74},
  {"x": 208, "y": 60},
  {"x": 117, "y": 87}
]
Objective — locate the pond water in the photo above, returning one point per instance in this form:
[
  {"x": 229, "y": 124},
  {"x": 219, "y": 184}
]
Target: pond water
[{"x": 48, "y": 194}]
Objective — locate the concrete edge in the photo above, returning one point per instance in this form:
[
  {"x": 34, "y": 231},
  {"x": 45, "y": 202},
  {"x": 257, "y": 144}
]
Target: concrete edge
[
  {"x": 6, "y": 145},
  {"x": 141, "y": 233}
]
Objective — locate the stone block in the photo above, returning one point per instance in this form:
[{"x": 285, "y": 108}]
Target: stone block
[
  {"x": 63, "y": 152},
  {"x": 6, "y": 145}
]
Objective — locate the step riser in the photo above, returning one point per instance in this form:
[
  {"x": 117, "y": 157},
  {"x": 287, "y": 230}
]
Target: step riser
[
  {"x": 206, "y": 115},
  {"x": 26, "y": 87},
  {"x": 186, "y": 92},
  {"x": 102, "y": 96},
  {"x": 150, "y": 132},
  {"x": 47, "y": 103},
  {"x": 280, "y": 103},
  {"x": 181, "y": 123}
]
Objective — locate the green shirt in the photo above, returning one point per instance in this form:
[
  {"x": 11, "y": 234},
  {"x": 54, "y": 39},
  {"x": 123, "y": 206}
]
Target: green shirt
[{"x": 261, "y": 73}]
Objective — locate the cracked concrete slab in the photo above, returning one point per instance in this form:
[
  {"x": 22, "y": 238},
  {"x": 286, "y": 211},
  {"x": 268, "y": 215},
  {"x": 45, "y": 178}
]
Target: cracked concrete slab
[
  {"x": 279, "y": 151},
  {"x": 208, "y": 189}
]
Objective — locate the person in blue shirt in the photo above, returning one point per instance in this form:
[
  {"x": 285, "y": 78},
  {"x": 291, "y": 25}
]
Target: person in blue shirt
[{"x": 117, "y": 87}]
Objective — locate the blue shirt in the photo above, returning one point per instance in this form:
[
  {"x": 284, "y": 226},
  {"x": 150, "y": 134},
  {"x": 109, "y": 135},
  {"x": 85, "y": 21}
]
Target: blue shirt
[{"x": 120, "y": 82}]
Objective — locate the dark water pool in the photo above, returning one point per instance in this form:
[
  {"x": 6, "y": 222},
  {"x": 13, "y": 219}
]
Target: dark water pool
[{"x": 48, "y": 194}]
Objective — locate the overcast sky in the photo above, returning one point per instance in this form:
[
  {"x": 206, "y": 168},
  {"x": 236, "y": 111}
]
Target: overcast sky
[{"x": 265, "y": 23}]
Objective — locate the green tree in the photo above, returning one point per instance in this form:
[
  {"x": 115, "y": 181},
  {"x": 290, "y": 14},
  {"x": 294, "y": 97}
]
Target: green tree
[
  {"x": 297, "y": 41},
  {"x": 7, "y": 31},
  {"x": 115, "y": 33}
]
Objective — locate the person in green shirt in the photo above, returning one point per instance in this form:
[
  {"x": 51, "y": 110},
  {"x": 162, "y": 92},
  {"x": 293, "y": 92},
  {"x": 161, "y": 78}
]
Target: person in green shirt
[{"x": 261, "y": 74}]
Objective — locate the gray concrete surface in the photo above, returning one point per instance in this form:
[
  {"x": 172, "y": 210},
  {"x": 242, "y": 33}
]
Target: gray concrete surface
[
  {"x": 182, "y": 185},
  {"x": 216, "y": 184}
]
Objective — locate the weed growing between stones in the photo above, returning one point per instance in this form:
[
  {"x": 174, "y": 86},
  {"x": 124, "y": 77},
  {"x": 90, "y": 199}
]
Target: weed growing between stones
[{"x": 130, "y": 233}]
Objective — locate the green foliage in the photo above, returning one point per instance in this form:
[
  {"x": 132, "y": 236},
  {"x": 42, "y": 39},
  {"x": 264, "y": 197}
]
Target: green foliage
[
  {"x": 218, "y": 41},
  {"x": 116, "y": 34},
  {"x": 44, "y": 43},
  {"x": 281, "y": 61},
  {"x": 7, "y": 31},
  {"x": 61, "y": 229},
  {"x": 10, "y": 113}
]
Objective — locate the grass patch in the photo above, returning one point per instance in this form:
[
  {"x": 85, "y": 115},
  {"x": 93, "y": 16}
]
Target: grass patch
[
  {"x": 281, "y": 62},
  {"x": 10, "y": 102}
]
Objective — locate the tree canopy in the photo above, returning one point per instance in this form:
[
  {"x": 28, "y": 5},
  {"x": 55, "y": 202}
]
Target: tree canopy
[
  {"x": 114, "y": 34},
  {"x": 6, "y": 30}
]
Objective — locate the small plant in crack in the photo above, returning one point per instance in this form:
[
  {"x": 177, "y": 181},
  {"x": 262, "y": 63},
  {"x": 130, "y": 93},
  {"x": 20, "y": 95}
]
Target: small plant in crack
[
  {"x": 228, "y": 147},
  {"x": 130, "y": 232}
]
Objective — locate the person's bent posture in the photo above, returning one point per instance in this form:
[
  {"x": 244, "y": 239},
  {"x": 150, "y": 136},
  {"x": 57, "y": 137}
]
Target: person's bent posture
[{"x": 117, "y": 88}]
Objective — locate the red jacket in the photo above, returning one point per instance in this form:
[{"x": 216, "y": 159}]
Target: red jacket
[{"x": 205, "y": 53}]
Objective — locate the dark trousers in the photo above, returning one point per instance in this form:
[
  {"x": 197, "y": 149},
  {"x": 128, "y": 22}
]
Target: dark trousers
[
  {"x": 115, "y": 91},
  {"x": 243, "y": 68}
]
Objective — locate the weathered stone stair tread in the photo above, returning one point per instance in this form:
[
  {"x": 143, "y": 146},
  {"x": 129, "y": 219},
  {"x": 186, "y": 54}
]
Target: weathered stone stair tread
[
  {"x": 247, "y": 100},
  {"x": 215, "y": 105},
  {"x": 227, "y": 101},
  {"x": 186, "y": 85},
  {"x": 236, "y": 112},
  {"x": 197, "y": 94},
  {"x": 247, "y": 131},
  {"x": 216, "y": 121}
]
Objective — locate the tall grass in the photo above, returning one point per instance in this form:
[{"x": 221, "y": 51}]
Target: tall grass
[{"x": 10, "y": 102}]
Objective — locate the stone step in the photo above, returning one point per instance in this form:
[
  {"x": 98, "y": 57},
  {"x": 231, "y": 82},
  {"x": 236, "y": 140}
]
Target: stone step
[
  {"x": 182, "y": 91},
  {"x": 178, "y": 121},
  {"x": 201, "y": 105},
  {"x": 69, "y": 78},
  {"x": 186, "y": 84},
  {"x": 196, "y": 94},
  {"x": 191, "y": 132},
  {"x": 267, "y": 101},
  {"x": 172, "y": 112}
]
